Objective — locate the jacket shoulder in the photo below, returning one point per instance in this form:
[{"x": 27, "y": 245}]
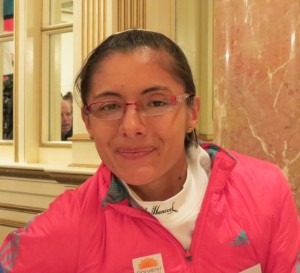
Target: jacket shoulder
[
  {"x": 54, "y": 235},
  {"x": 260, "y": 182},
  {"x": 95, "y": 188}
]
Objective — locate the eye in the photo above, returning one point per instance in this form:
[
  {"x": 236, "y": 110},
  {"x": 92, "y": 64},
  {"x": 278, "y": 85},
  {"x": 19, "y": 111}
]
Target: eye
[
  {"x": 107, "y": 106},
  {"x": 156, "y": 102}
]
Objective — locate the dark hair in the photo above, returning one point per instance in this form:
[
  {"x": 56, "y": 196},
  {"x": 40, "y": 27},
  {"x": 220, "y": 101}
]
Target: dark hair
[
  {"x": 128, "y": 41},
  {"x": 68, "y": 96}
]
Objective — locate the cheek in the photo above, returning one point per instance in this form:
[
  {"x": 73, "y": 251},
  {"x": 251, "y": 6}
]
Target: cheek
[
  {"x": 103, "y": 145},
  {"x": 171, "y": 129},
  {"x": 100, "y": 128},
  {"x": 104, "y": 138},
  {"x": 102, "y": 134}
]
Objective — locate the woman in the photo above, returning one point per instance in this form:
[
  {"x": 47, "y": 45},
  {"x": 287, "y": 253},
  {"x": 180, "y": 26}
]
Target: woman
[{"x": 160, "y": 201}]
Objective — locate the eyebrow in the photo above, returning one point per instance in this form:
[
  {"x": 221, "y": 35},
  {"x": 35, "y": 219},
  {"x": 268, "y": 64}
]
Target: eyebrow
[
  {"x": 107, "y": 94},
  {"x": 155, "y": 88},
  {"x": 146, "y": 91}
]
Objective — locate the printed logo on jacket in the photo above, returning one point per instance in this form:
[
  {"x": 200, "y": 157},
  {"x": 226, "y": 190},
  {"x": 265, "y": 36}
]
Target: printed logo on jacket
[{"x": 148, "y": 264}]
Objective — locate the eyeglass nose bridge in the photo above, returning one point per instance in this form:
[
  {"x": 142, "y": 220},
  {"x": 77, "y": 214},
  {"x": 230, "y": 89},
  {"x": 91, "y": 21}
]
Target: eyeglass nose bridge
[{"x": 136, "y": 104}]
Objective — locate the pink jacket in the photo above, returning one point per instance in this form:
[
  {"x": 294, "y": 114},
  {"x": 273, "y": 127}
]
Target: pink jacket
[{"x": 248, "y": 218}]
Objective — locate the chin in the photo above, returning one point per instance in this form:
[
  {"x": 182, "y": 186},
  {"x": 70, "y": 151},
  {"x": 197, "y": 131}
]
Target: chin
[{"x": 138, "y": 178}]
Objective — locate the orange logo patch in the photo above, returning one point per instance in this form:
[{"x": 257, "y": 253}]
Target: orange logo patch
[{"x": 148, "y": 262}]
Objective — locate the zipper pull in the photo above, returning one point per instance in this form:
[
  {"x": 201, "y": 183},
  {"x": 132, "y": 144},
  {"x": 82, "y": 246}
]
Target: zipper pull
[{"x": 188, "y": 256}]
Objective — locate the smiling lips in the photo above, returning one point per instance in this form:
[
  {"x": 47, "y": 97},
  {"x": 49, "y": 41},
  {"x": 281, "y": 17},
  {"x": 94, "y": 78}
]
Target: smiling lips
[{"x": 136, "y": 153}]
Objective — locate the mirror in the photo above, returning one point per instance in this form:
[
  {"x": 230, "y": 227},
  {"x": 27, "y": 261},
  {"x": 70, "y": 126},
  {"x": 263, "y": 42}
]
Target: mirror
[
  {"x": 61, "y": 11},
  {"x": 60, "y": 86},
  {"x": 6, "y": 68},
  {"x": 6, "y": 71},
  {"x": 7, "y": 16},
  {"x": 59, "y": 56}
]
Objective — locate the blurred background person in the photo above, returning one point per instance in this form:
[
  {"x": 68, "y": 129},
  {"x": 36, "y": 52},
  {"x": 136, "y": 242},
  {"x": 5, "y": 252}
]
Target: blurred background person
[
  {"x": 68, "y": 97},
  {"x": 66, "y": 120}
]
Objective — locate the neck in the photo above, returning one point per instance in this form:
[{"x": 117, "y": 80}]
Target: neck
[{"x": 164, "y": 187}]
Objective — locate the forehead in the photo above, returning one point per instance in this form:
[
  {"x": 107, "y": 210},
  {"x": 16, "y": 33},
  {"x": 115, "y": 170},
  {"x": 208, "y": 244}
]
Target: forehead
[
  {"x": 142, "y": 55},
  {"x": 65, "y": 106},
  {"x": 130, "y": 74}
]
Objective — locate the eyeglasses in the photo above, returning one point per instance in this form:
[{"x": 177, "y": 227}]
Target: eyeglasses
[{"x": 153, "y": 105}]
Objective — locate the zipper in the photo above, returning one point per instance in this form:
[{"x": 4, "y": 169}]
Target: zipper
[
  {"x": 190, "y": 265},
  {"x": 185, "y": 254},
  {"x": 188, "y": 256},
  {"x": 200, "y": 223}
]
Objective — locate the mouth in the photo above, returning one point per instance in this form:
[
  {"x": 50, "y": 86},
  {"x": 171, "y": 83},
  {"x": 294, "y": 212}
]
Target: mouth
[{"x": 133, "y": 154}]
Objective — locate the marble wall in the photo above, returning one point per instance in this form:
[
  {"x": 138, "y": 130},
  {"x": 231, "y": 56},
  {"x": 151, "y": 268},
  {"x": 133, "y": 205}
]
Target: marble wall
[{"x": 257, "y": 81}]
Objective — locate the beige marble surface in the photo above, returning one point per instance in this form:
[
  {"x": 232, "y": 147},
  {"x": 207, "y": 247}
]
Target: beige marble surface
[{"x": 257, "y": 81}]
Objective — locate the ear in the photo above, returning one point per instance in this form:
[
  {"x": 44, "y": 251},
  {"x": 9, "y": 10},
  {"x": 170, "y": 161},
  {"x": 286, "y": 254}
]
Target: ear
[
  {"x": 194, "y": 113},
  {"x": 86, "y": 119}
]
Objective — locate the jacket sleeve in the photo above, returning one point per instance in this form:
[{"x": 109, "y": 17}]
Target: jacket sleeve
[
  {"x": 284, "y": 253},
  {"x": 49, "y": 243}
]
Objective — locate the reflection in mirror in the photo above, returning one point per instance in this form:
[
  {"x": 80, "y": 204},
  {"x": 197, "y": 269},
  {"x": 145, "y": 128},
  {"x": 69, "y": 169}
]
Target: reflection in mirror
[
  {"x": 66, "y": 116},
  {"x": 6, "y": 93},
  {"x": 61, "y": 11},
  {"x": 8, "y": 107},
  {"x": 60, "y": 86},
  {"x": 7, "y": 16},
  {"x": 6, "y": 68}
]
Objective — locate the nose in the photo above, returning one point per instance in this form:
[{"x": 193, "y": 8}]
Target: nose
[
  {"x": 64, "y": 117},
  {"x": 132, "y": 122}
]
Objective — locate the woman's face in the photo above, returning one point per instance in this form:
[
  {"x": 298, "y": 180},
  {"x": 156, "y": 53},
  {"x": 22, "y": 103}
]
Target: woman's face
[{"x": 141, "y": 150}]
